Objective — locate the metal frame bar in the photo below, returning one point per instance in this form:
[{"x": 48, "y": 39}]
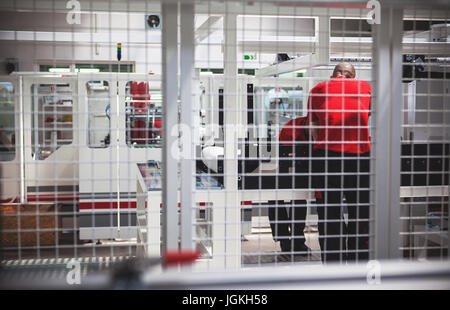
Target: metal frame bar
[
  {"x": 396, "y": 129},
  {"x": 187, "y": 52},
  {"x": 320, "y": 53},
  {"x": 204, "y": 30},
  {"x": 323, "y": 40},
  {"x": 411, "y": 275},
  {"x": 232, "y": 208},
  {"x": 170, "y": 111},
  {"x": 381, "y": 82},
  {"x": 387, "y": 77},
  {"x": 22, "y": 142},
  {"x": 414, "y": 8},
  {"x": 393, "y": 275}
]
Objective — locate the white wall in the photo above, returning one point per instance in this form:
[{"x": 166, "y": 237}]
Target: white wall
[
  {"x": 94, "y": 39},
  {"x": 33, "y": 36}
]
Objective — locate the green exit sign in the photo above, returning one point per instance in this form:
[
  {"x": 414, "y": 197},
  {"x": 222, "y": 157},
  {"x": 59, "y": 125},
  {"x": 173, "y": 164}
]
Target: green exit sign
[{"x": 249, "y": 57}]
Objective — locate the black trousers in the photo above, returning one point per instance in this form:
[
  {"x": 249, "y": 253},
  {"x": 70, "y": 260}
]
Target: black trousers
[
  {"x": 287, "y": 221},
  {"x": 338, "y": 176}
]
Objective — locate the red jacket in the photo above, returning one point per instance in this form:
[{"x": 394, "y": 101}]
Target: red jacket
[
  {"x": 341, "y": 109},
  {"x": 294, "y": 130},
  {"x": 297, "y": 130}
]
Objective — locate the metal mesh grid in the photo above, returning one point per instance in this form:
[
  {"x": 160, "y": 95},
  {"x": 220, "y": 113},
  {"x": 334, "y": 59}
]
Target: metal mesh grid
[
  {"x": 84, "y": 164},
  {"x": 71, "y": 100},
  {"x": 425, "y": 137},
  {"x": 289, "y": 48}
]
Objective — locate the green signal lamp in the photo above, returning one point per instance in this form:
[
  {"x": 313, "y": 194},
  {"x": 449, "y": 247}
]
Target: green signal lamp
[{"x": 119, "y": 51}]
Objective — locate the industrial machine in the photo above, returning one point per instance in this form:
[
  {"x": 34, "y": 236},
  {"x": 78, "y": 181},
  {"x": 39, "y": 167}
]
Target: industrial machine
[
  {"x": 75, "y": 139},
  {"x": 81, "y": 136}
]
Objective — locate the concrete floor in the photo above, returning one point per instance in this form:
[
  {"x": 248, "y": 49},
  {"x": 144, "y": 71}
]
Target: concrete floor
[
  {"x": 70, "y": 247},
  {"x": 258, "y": 248}
]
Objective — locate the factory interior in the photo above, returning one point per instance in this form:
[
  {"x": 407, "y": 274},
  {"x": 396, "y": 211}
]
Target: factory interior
[{"x": 183, "y": 141}]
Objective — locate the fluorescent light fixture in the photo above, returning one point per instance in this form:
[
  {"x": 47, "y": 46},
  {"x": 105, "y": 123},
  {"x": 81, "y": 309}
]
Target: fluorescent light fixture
[
  {"x": 88, "y": 70},
  {"x": 59, "y": 70}
]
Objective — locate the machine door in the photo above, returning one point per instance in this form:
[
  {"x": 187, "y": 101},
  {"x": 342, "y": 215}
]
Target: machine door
[
  {"x": 51, "y": 145},
  {"x": 118, "y": 128},
  {"x": 266, "y": 105},
  {"x": 277, "y": 101},
  {"x": 10, "y": 146}
]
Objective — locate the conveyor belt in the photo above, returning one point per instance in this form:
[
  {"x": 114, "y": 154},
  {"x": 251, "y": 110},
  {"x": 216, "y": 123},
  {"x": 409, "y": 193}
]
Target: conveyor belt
[{"x": 53, "y": 268}]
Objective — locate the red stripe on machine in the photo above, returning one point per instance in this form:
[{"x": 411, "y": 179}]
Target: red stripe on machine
[
  {"x": 10, "y": 200},
  {"x": 95, "y": 205},
  {"x": 54, "y": 197}
]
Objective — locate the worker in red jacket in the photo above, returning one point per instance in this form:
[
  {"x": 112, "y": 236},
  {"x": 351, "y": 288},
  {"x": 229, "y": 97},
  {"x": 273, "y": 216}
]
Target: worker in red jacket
[
  {"x": 338, "y": 111},
  {"x": 144, "y": 129},
  {"x": 287, "y": 221}
]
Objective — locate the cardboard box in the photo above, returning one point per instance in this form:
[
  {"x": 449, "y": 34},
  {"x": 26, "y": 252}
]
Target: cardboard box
[{"x": 40, "y": 224}]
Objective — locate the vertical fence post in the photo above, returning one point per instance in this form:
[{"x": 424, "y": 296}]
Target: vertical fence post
[
  {"x": 187, "y": 50},
  {"x": 22, "y": 141},
  {"x": 170, "y": 115},
  {"x": 231, "y": 117},
  {"x": 324, "y": 40},
  {"x": 387, "y": 77}
]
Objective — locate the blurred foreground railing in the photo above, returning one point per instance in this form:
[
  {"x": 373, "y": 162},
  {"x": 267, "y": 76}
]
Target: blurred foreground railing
[{"x": 147, "y": 274}]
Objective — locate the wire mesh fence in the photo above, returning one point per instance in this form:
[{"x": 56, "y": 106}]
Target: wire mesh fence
[
  {"x": 425, "y": 147},
  {"x": 227, "y": 134}
]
